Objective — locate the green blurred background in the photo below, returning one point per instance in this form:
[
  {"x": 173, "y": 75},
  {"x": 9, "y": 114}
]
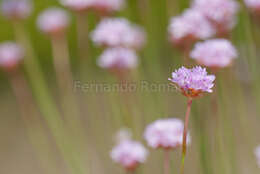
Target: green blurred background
[{"x": 222, "y": 142}]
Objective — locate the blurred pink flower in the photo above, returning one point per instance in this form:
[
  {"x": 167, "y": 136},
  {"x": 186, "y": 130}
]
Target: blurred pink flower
[
  {"x": 11, "y": 55},
  {"x": 53, "y": 21},
  {"x": 189, "y": 26},
  {"x": 215, "y": 53},
  {"x": 254, "y": 5},
  {"x": 107, "y": 6},
  {"x": 257, "y": 154},
  {"x": 166, "y": 134},
  {"x": 221, "y": 13},
  {"x": 193, "y": 82},
  {"x": 115, "y": 32},
  {"x": 129, "y": 154},
  {"x": 77, "y": 5},
  {"x": 119, "y": 58},
  {"x": 16, "y": 9}
]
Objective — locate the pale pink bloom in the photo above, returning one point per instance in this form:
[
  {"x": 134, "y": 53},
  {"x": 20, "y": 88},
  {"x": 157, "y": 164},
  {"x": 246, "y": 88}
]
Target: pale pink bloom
[
  {"x": 254, "y": 5},
  {"x": 191, "y": 25},
  {"x": 119, "y": 58},
  {"x": 257, "y": 154},
  {"x": 11, "y": 55},
  {"x": 221, "y": 13},
  {"x": 77, "y": 5},
  {"x": 53, "y": 21},
  {"x": 129, "y": 154},
  {"x": 215, "y": 53},
  {"x": 107, "y": 5},
  {"x": 118, "y": 32},
  {"x": 166, "y": 134},
  {"x": 16, "y": 9}
]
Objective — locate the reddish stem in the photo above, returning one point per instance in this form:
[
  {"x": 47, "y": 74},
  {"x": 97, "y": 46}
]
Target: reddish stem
[
  {"x": 185, "y": 132},
  {"x": 166, "y": 162}
]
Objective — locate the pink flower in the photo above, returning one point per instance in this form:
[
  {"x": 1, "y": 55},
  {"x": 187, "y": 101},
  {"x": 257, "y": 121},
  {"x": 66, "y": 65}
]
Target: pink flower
[
  {"x": 11, "y": 55},
  {"x": 107, "y": 6},
  {"x": 215, "y": 53},
  {"x": 77, "y": 5},
  {"x": 53, "y": 21},
  {"x": 119, "y": 58},
  {"x": 257, "y": 154},
  {"x": 166, "y": 134},
  {"x": 118, "y": 32},
  {"x": 221, "y": 13},
  {"x": 16, "y": 9},
  {"x": 129, "y": 154},
  {"x": 193, "y": 82},
  {"x": 189, "y": 26},
  {"x": 254, "y": 5}
]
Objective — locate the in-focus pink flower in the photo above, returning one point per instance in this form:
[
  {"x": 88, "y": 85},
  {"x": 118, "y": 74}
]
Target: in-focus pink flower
[
  {"x": 215, "y": 53},
  {"x": 53, "y": 21},
  {"x": 11, "y": 55},
  {"x": 166, "y": 134},
  {"x": 107, "y": 6},
  {"x": 221, "y": 13},
  {"x": 118, "y": 32},
  {"x": 257, "y": 154},
  {"x": 254, "y": 5},
  {"x": 16, "y": 9},
  {"x": 129, "y": 154},
  {"x": 77, "y": 5},
  {"x": 193, "y": 82},
  {"x": 118, "y": 58},
  {"x": 190, "y": 26}
]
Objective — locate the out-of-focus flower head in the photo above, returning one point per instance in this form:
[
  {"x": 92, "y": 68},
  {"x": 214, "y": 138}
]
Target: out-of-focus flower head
[
  {"x": 129, "y": 154},
  {"x": 215, "y": 53},
  {"x": 257, "y": 154},
  {"x": 11, "y": 54},
  {"x": 189, "y": 27},
  {"x": 254, "y": 5},
  {"x": 53, "y": 21},
  {"x": 118, "y": 32},
  {"x": 221, "y": 13},
  {"x": 193, "y": 82},
  {"x": 16, "y": 9},
  {"x": 118, "y": 58},
  {"x": 77, "y": 5},
  {"x": 166, "y": 134},
  {"x": 107, "y": 6}
]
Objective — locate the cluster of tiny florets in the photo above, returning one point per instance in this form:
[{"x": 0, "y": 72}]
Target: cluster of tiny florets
[
  {"x": 215, "y": 53},
  {"x": 193, "y": 82}
]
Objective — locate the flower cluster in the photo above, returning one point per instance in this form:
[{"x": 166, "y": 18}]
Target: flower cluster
[
  {"x": 215, "y": 53},
  {"x": 16, "y": 9},
  {"x": 53, "y": 21},
  {"x": 129, "y": 154},
  {"x": 166, "y": 134},
  {"x": 253, "y": 5},
  {"x": 193, "y": 82},
  {"x": 11, "y": 55}
]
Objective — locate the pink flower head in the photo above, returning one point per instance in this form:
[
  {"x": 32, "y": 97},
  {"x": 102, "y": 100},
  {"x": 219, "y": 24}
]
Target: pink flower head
[
  {"x": 115, "y": 32},
  {"x": 221, "y": 13},
  {"x": 53, "y": 21},
  {"x": 11, "y": 55},
  {"x": 191, "y": 25},
  {"x": 16, "y": 9},
  {"x": 215, "y": 53},
  {"x": 193, "y": 82},
  {"x": 77, "y": 5},
  {"x": 129, "y": 154},
  {"x": 254, "y": 5},
  {"x": 118, "y": 58},
  {"x": 257, "y": 154},
  {"x": 107, "y": 6},
  {"x": 166, "y": 134}
]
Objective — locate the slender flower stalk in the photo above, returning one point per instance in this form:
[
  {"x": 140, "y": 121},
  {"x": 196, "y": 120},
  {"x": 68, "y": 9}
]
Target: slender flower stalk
[{"x": 166, "y": 165}]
